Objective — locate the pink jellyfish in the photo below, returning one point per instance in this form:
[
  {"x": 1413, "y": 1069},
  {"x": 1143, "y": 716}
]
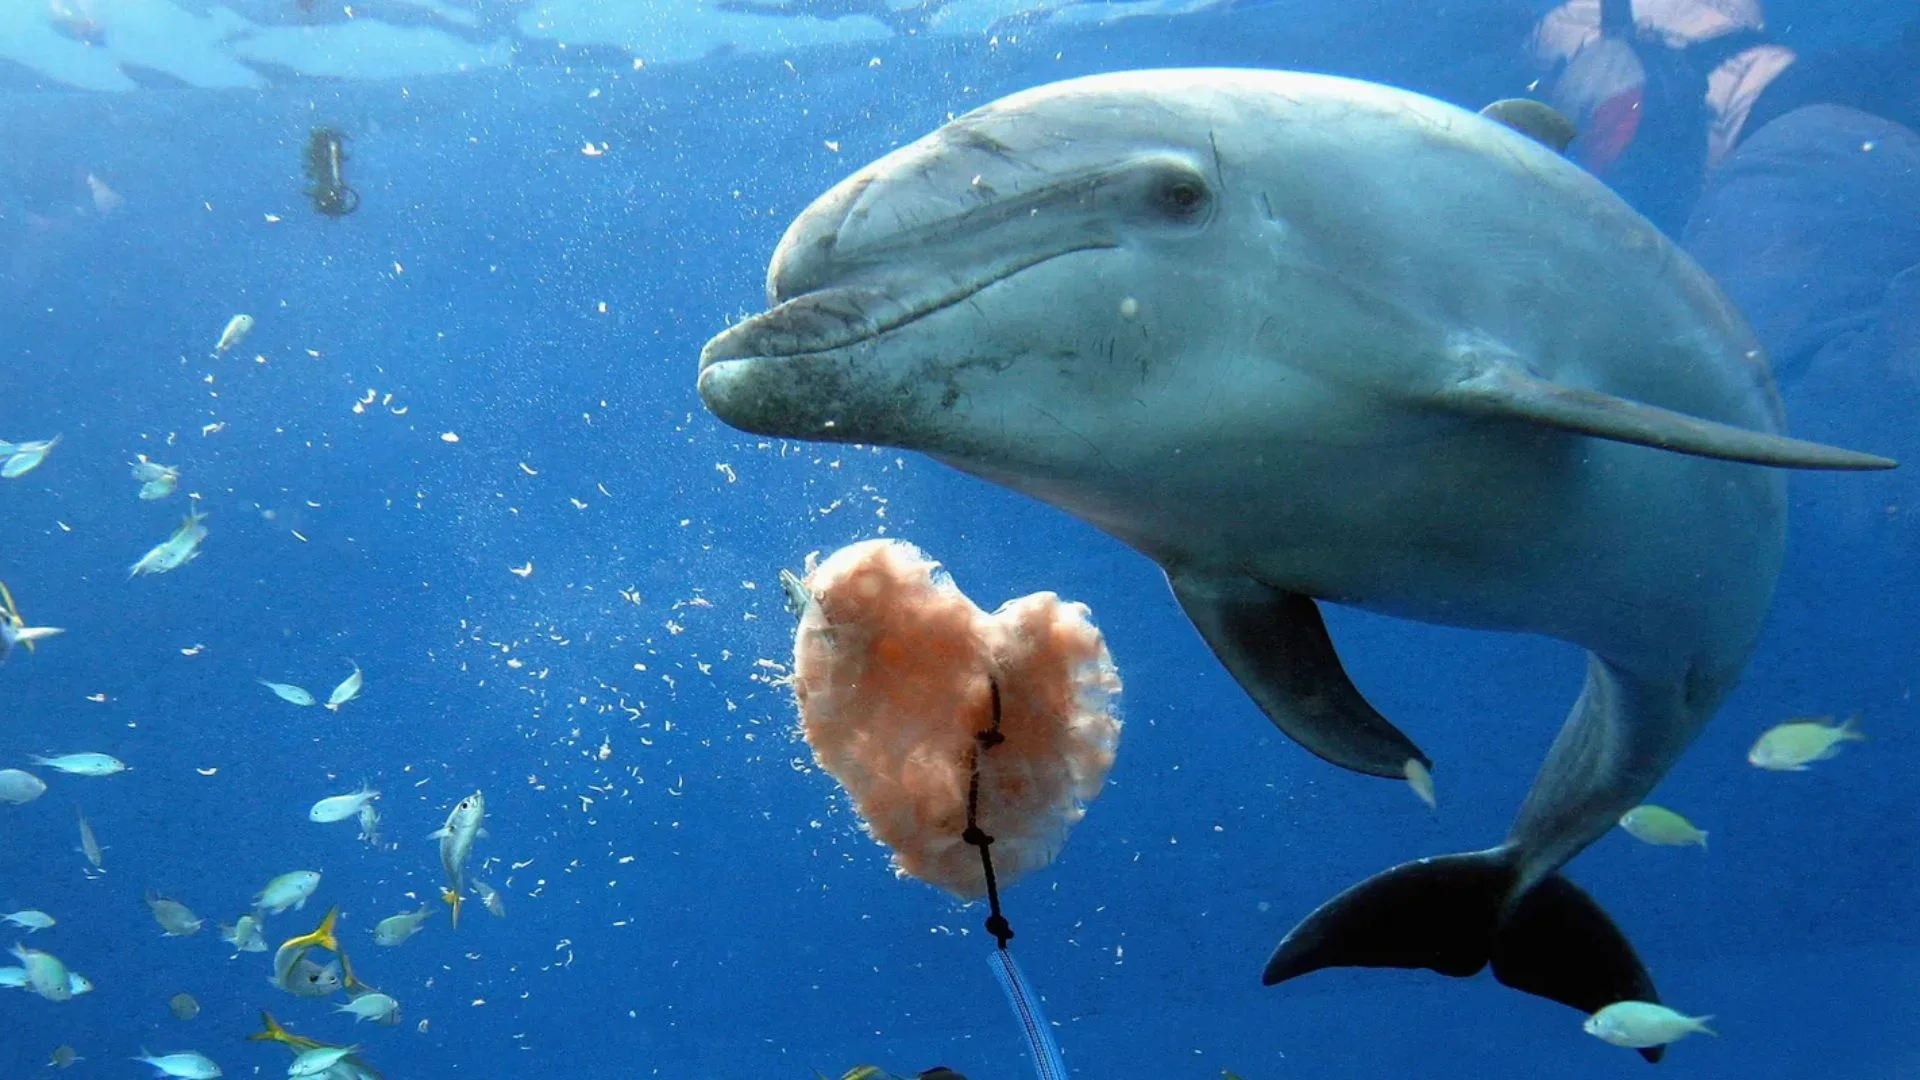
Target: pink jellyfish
[{"x": 896, "y": 673}]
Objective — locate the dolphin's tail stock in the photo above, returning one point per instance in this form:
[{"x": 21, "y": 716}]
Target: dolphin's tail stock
[{"x": 1456, "y": 914}]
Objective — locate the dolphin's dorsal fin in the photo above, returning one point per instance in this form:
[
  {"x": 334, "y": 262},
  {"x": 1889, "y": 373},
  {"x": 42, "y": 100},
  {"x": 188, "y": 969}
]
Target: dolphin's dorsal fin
[
  {"x": 1276, "y": 646},
  {"x": 1504, "y": 389},
  {"x": 1536, "y": 120}
]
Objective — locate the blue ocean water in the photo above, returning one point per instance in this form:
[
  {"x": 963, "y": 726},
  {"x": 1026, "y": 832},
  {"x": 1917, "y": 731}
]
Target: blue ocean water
[{"x": 685, "y": 895}]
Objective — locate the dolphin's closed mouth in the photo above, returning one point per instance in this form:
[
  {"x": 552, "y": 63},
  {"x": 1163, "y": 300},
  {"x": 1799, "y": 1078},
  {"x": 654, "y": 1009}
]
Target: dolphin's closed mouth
[{"x": 834, "y": 318}]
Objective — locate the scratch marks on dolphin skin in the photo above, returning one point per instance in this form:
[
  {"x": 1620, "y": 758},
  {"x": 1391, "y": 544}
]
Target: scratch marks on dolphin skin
[
  {"x": 1099, "y": 456},
  {"x": 1219, "y": 171}
]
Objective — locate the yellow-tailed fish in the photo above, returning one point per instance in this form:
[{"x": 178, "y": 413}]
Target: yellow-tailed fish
[
  {"x": 14, "y": 629},
  {"x": 296, "y": 947},
  {"x": 456, "y": 844},
  {"x": 298, "y": 975},
  {"x": 271, "y": 1031}
]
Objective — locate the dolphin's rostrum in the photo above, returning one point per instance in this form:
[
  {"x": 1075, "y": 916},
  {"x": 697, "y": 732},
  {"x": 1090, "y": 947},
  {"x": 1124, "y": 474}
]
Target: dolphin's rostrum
[{"x": 1300, "y": 338}]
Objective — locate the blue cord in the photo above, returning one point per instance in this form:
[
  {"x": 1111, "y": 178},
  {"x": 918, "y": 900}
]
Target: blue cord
[{"x": 1026, "y": 1009}]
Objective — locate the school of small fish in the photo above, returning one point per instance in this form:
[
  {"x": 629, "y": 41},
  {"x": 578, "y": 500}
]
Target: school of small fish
[{"x": 313, "y": 965}]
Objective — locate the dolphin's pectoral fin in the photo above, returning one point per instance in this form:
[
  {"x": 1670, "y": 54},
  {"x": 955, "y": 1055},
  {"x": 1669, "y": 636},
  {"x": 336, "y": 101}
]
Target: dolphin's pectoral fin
[
  {"x": 1450, "y": 914},
  {"x": 1503, "y": 389},
  {"x": 1275, "y": 644}
]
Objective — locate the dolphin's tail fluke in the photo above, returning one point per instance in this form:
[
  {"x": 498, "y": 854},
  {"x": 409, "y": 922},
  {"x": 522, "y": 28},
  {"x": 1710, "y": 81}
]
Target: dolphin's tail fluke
[{"x": 1455, "y": 914}]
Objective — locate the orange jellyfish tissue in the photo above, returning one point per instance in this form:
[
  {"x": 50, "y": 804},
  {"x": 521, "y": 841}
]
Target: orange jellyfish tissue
[{"x": 895, "y": 668}]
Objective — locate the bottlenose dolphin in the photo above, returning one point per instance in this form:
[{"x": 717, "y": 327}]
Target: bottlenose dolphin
[{"x": 1302, "y": 338}]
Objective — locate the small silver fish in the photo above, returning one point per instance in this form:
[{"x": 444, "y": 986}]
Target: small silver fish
[
  {"x": 289, "y": 890},
  {"x": 18, "y": 787},
  {"x": 83, "y": 764},
  {"x": 27, "y": 457},
  {"x": 395, "y": 929},
  {"x": 185, "y": 1065},
  {"x": 318, "y": 1060},
  {"x": 1658, "y": 825},
  {"x": 1796, "y": 744},
  {"x": 798, "y": 595},
  {"x": 376, "y": 1007},
  {"x": 174, "y": 917},
  {"x": 175, "y": 551},
  {"x": 370, "y": 824},
  {"x": 236, "y": 331},
  {"x": 46, "y": 975},
  {"x": 1641, "y": 1024},
  {"x": 289, "y": 693},
  {"x": 348, "y": 689},
  {"x": 156, "y": 481},
  {"x": 247, "y": 934},
  {"x": 29, "y": 920},
  {"x": 341, "y": 807},
  {"x": 89, "y": 846}
]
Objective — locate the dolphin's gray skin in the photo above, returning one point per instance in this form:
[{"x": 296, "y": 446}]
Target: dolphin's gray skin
[{"x": 1294, "y": 338}]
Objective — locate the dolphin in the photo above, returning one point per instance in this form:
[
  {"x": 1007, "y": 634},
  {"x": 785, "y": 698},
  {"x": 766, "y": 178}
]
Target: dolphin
[{"x": 1300, "y": 338}]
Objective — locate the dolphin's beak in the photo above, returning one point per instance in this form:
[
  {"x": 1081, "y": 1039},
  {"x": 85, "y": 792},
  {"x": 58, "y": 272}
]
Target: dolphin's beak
[
  {"x": 920, "y": 230},
  {"x": 839, "y": 354}
]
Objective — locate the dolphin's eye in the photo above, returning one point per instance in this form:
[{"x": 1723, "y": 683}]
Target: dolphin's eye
[{"x": 1179, "y": 195}]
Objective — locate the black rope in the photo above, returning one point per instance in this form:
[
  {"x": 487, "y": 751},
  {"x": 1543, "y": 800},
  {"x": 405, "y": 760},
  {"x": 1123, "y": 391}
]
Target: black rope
[{"x": 997, "y": 924}]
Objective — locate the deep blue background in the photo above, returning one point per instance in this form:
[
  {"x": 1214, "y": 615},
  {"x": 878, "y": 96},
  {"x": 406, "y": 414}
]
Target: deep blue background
[{"x": 713, "y": 910}]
